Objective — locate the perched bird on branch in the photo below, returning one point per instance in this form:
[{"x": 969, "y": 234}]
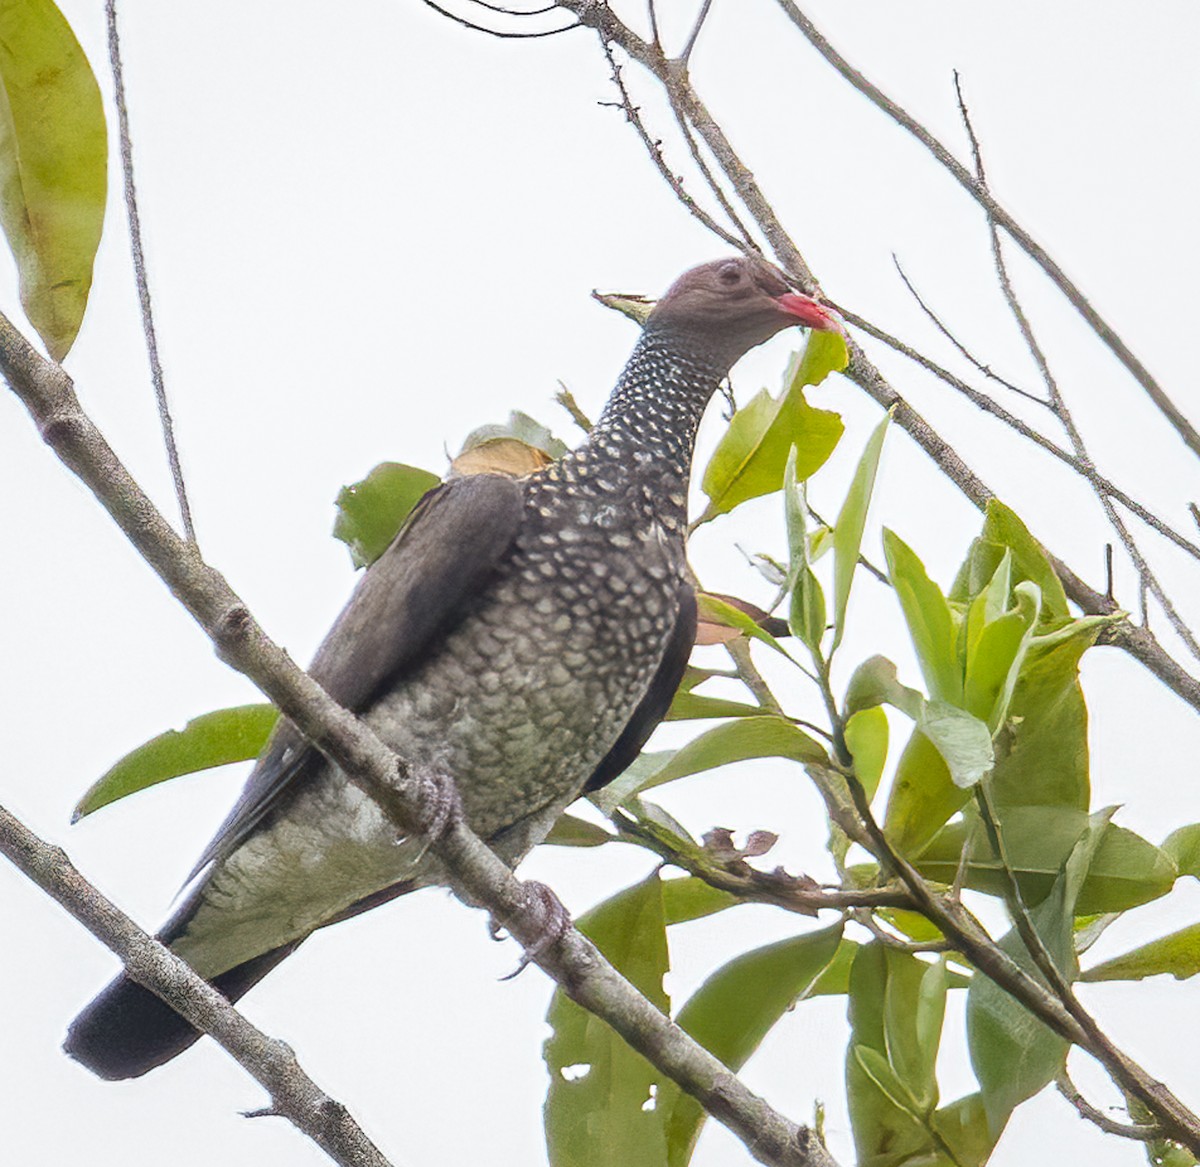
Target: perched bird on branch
[{"x": 520, "y": 638}]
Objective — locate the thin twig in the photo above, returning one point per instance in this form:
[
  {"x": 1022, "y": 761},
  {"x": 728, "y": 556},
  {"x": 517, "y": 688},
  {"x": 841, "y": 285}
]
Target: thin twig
[
  {"x": 139, "y": 271},
  {"x": 294, "y": 1095},
  {"x": 940, "y": 325},
  {"x": 652, "y": 13},
  {"x": 1085, "y": 469},
  {"x": 748, "y": 674},
  {"x": 514, "y": 11},
  {"x": 497, "y": 32},
  {"x": 1059, "y": 405},
  {"x": 796, "y": 894},
  {"x": 1027, "y": 243},
  {"x": 1142, "y": 1133},
  {"x": 695, "y": 33},
  {"x": 566, "y": 399},
  {"x": 654, "y": 149},
  {"x": 747, "y": 244},
  {"x": 866, "y": 918}
]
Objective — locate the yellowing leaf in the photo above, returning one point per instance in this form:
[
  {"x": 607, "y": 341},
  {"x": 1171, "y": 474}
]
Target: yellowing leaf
[
  {"x": 53, "y": 159},
  {"x": 750, "y": 458}
]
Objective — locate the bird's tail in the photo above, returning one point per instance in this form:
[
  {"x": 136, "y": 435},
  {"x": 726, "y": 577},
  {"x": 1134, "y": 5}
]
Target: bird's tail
[{"x": 127, "y": 1030}]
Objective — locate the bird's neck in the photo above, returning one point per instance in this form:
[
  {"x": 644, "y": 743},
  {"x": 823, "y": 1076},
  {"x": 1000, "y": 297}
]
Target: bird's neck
[{"x": 651, "y": 418}]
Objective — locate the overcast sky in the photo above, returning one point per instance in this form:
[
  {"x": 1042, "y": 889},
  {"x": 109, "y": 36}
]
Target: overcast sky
[{"x": 370, "y": 231}]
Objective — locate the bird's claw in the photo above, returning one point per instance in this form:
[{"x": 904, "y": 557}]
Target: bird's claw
[
  {"x": 553, "y": 922},
  {"x": 440, "y": 805}
]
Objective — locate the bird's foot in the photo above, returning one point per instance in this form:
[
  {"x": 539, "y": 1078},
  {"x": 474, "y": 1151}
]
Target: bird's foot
[
  {"x": 552, "y": 923},
  {"x": 441, "y": 805}
]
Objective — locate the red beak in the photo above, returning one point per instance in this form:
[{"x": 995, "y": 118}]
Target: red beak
[{"x": 808, "y": 312}]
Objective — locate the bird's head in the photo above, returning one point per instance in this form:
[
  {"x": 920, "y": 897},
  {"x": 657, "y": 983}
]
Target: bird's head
[{"x": 735, "y": 304}]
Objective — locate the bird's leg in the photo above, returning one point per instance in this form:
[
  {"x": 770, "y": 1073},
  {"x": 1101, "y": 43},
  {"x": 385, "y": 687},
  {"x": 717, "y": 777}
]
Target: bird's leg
[
  {"x": 553, "y": 921},
  {"x": 440, "y": 806}
]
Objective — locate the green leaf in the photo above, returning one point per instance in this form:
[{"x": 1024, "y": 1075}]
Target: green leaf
[
  {"x": 1125, "y": 871},
  {"x": 1015, "y": 1055},
  {"x": 1177, "y": 954},
  {"x": 696, "y": 707},
  {"x": 963, "y": 1127},
  {"x": 598, "y": 1111},
  {"x": 823, "y": 353},
  {"x": 867, "y": 741},
  {"x": 689, "y": 898},
  {"x": 896, "y": 1006},
  {"x": 371, "y": 512},
  {"x": 636, "y": 308},
  {"x": 735, "y": 741},
  {"x": 570, "y": 831},
  {"x": 1002, "y": 526},
  {"x": 835, "y": 980},
  {"x": 963, "y": 741},
  {"x": 806, "y": 617},
  {"x": 930, "y": 623},
  {"x": 213, "y": 739},
  {"x": 1041, "y": 749},
  {"x": 733, "y": 1011},
  {"x": 876, "y": 1067},
  {"x": 848, "y": 530},
  {"x": 1183, "y": 845},
  {"x": 53, "y": 166},
  {"x": 750, "y": 458},
  {"x": 994, "y": 662}
]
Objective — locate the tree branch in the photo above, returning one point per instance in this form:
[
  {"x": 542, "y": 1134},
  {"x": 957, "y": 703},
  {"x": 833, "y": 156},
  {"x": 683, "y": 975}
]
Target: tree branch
[
  {"x": 1143, "y": 1133},
  {"x": 294, "y": 1095},
  {"x": 982, "y": 195},
  {"x": 140, "y": 275},
  {"x": 970, "y": 938},
  {"x": 477, "y": 876}
]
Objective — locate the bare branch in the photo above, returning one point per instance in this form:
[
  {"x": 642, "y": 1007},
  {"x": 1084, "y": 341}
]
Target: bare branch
[
  {"x": 294, "y": 1095},
  {"x": 1059, "y": 406},
  {"x": 476, "y": 875},
  {"x": 938, "y": 323},
  {"x": 139, "y": 270},
  {"x": 654, "y": 149},
  {"x": 1143, "y": 1133},
  {"x": 498, "y": 32},
  {"x": 747, "y": 244},
  {"x": 685, "y": 56},
  {"x": 1027, "y": 243},
  {"x": 981, "y": 400}
]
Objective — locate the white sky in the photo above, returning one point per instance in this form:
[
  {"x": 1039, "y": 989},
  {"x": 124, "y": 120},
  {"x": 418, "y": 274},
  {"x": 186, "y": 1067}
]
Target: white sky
[{"x": 370, "y": 232}]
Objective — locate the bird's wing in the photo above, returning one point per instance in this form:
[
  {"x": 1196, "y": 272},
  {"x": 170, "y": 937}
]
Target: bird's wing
[
  {"x": 405, "y": 603},
  {"x": 654, "y": 705}
]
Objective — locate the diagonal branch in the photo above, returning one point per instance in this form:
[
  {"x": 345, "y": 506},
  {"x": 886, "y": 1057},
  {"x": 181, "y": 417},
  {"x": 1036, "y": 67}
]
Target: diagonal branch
[
  {"x": 476, "y": 875},
  {"x": 1059, "y": 405},
  {"x": 294, "y": 1095},
  {"x": 970, "y": 938},
  {"x": 980, "y": 193}
]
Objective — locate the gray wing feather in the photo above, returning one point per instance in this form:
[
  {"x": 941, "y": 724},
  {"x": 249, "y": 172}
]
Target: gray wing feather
[{"x": 405, "y": 602}]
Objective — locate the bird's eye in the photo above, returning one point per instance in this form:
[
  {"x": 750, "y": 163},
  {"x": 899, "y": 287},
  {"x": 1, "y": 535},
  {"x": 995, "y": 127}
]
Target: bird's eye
[{"x": 730, "y": 274}]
